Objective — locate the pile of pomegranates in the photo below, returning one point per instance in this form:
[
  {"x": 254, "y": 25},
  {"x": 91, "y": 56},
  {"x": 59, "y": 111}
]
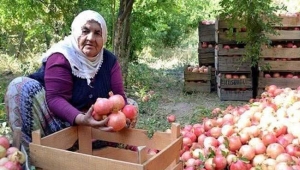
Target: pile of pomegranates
[
  {"x": 115, "y": 109},
  {"x": 198, "y": 69},
  {"x": 263, "y": 134},
  {"x": 11, "y": 158}
]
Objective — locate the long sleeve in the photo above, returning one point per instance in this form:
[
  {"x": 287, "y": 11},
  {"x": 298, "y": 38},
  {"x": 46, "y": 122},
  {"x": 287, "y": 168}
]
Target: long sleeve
[
  {"x": 117, "y": 84},
  {"x": 58, "y": 85}
]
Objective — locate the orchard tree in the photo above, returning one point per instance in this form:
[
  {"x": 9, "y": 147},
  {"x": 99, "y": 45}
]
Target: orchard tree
[{"x": 122, "y": 45}]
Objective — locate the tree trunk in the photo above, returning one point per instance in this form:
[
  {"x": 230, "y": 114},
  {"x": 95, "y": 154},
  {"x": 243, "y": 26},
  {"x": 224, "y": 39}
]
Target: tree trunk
[
  {"x": 22, "y": 39},
  {"x": 122, "y": 35}
]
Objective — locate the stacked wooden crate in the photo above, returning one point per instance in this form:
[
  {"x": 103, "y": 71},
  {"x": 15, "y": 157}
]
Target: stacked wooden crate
[
  {"x": 205, "y": 82},
  {"x": 279, "y": 64},
  {"x": 206, "y": 43},
  {"x": 199, "y": 79},
  {"x": 234, "y": 80}
]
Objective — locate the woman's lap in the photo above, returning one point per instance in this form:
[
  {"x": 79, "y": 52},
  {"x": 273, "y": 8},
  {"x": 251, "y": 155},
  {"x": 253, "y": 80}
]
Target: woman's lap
[{"x": 27, "y": 109}]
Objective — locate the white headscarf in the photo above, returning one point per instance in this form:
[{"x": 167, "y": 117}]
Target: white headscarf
[{"x": 81, "y": 66}]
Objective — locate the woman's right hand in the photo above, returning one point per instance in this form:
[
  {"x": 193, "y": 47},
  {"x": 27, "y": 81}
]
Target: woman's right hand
[{"x": 88, "y": 120}]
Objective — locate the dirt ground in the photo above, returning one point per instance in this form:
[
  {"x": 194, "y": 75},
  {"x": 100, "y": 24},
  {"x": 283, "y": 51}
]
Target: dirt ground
[{"x": 175, "y": 101}]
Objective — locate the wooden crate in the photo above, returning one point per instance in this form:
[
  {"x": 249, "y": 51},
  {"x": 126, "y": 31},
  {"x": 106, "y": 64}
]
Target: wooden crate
[
  {"x": 50, "y": 152},
  {"x": 223, "y": 35},
  {"x": 206, "y": 56},
  {"x": 273, "y": 53},
  {"x": 285, "y": 35},
  {"x": 199, "y": 82},
  {"x": 280, "y": 82},
  {"x": 286, "y": 29},
  {"x": 288, "y": 21},
  {"x": 199, "y": 86},
  {"x": 206, "y": 32},
  {"x": 231, "y": 64},
  {"x": 196, "y": 76},
  {"x": 234, "y": 95},
  {"x": 278, "y": 60},
  {"x": 234, "y": 83},
  {"x": 230, "y": 60}
]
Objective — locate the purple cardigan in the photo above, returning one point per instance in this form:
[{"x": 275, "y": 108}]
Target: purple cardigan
[{"x": 65, "y": 92}]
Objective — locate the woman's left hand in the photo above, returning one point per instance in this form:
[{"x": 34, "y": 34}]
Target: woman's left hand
[{"x": 88, "y": 120}]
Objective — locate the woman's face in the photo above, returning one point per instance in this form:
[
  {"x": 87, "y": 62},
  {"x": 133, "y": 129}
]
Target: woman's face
[{"x": 90, "y": 42}]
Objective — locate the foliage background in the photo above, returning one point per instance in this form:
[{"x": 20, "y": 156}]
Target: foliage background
[{"x": 31, "y": 26}]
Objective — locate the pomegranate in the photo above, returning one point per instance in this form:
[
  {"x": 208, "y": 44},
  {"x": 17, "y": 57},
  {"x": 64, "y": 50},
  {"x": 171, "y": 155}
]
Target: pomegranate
[
  {"x": 220, "y": 161},
  {"x": 2, "y": 152},
  {"x": 247, "y": 152},
  {"x": 276, "y": 75},
  {"x": 12, "y": 165},
  {"x": 97, "y": 116},
  {"x": 117, "y": 120},
  {"x": 228, "y": 76},
  {"x": 3, "y": 161},
  {"x": 235, "y": 76},
  {"x": 238, "y": 165},
  {"x": 204, "y": 45},
  {"x": 103, "y": 106},
  {"x": 274, "y": 149},
  {"x": 289, "y": 45},
  {"x": 117, "y": 101},
  {"x": 11, "y": 150},
  {"x": 171, "y": 118},
  {"x": 130, "y": 111},
  {"x": 269, "y": 138},
  {"x": 227, "y": 47},
  {"x": 267, "y": 76},
  {"x": 4, "y": 142},
  {"x": 243, "y": 76}
]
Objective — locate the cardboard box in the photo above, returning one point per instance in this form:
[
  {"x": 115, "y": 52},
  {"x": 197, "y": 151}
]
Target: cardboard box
[{"x": 50, "y": 152}]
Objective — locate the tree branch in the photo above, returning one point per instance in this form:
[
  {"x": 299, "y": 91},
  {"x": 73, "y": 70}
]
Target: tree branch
[{"x": 127, "y": 10}]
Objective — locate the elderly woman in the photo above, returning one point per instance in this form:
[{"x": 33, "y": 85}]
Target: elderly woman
[{"x": 74, "y": 73}]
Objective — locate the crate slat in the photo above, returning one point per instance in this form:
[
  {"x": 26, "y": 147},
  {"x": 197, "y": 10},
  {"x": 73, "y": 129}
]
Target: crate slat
[
  {"x": 166, "y": 156},
  {"x": 285, "y": 35},
  {"x": 288, "y": 22},
  {"x": 118, "y": 154},
  {"x": 220, "y": 51},
  {"x": 135, "y": 137},
  {"x": 234, "y": 95},
  {"x": 206, "y": 60},
  {"x": 288, "y": 66},
  {"x": 206, "y": 50},
  {"x": 49, "y": 158},
  {"x": 66, "y": 137},
  {"x": 273, "y": 52},
  {"x": 198, "y": 87},
  {"x": 227, "y": 64},
  {"x": 234, "y": 83},
  {"x": 206, "y": 32},
  {"x": 223, "y": 37},
  {"x": 279, "y": 82},
  {"x": 207, "y": 38}
]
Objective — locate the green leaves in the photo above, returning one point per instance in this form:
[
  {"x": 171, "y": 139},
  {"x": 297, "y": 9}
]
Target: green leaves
[{"x": 257, "y": 16}]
